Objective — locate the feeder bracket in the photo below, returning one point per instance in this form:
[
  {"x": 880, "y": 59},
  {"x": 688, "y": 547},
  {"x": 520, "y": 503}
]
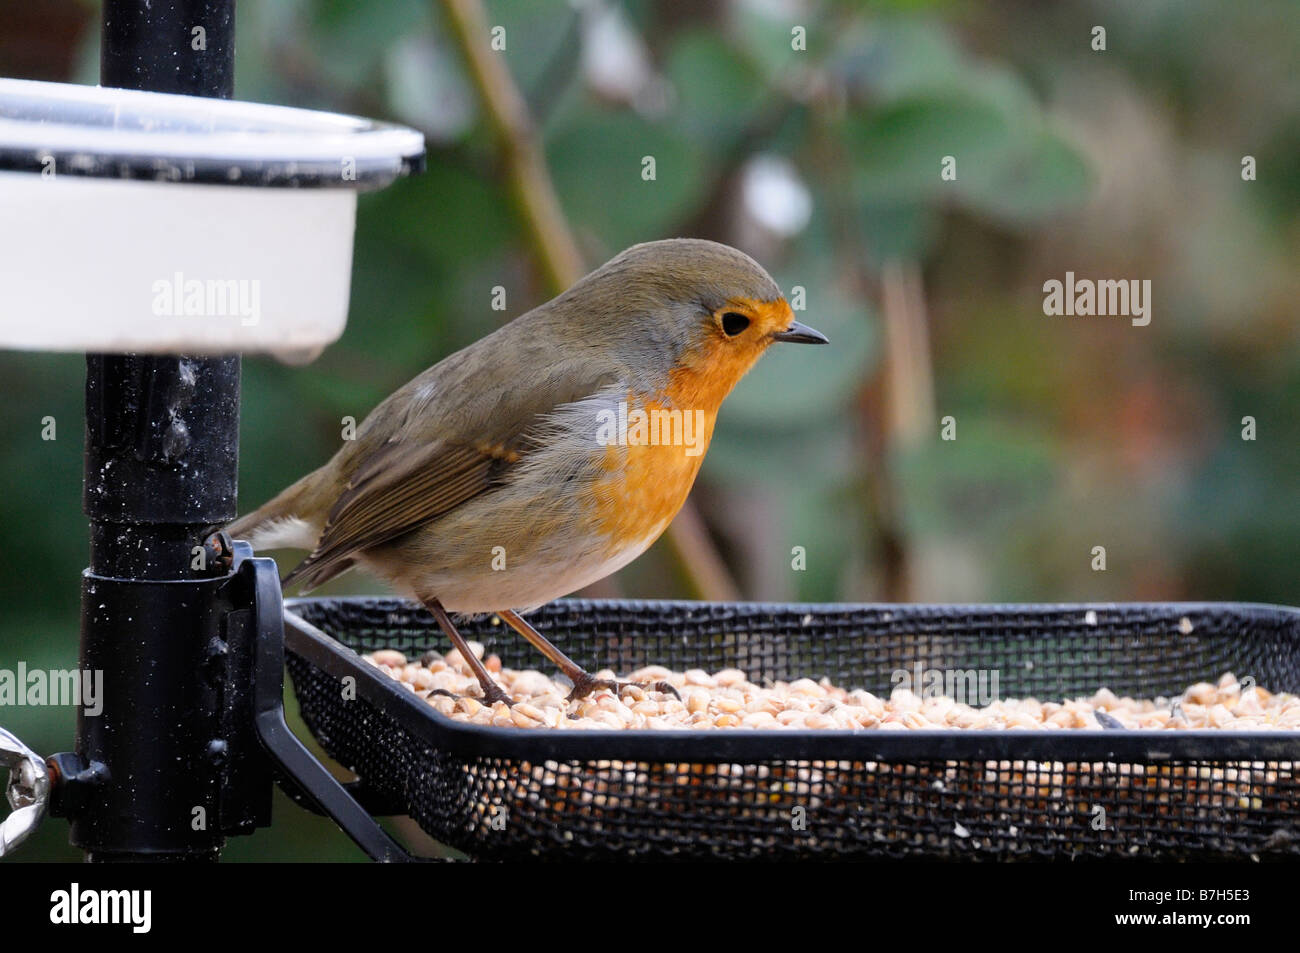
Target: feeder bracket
[
  {"x": 299, "y": 773},
  {"x": 250, "y": 742}
]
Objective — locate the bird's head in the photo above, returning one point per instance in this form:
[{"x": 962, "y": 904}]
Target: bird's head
[{"x": 692, "y": 314}]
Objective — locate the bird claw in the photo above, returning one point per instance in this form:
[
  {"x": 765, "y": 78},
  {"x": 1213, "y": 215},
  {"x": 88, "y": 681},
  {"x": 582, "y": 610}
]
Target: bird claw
[
  {"x": 586, "y": 684},
  {"x": 489, "y": 698},
  {"x": 666, "y": 689}
]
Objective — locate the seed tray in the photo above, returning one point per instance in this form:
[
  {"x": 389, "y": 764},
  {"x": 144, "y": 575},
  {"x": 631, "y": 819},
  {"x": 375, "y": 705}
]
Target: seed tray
[{"x": 509, "y": 793}]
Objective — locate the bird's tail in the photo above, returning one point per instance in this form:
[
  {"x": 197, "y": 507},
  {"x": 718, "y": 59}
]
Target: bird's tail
[{"x": 290, "y": 521}]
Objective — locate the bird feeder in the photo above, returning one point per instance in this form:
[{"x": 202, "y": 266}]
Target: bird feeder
[
  {"x": 189, "y": 229},
  {"x": 182, "y": 224},
  {"x": 992, "y": 794},
  {"x": 164, "y": 230}
]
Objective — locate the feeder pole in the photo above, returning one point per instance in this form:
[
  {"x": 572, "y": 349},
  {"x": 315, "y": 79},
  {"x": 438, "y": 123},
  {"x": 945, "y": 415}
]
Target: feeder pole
[{"x": 162, "y": 452}]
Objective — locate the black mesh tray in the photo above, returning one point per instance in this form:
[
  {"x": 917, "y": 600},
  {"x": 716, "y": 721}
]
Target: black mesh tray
[{"x": 499, "y": 793}]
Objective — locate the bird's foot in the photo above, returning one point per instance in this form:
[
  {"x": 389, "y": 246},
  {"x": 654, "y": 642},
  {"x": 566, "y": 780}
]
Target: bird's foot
[
  {"x": 489, "y": 698},
  {"x": 496, "y": 694},
  {"x": 585, "y": 684}
]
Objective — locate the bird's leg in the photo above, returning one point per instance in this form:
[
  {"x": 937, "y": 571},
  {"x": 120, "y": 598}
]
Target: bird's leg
[
  {"x": 583, "y": 682},
  {"x": 492, "y": 692}
]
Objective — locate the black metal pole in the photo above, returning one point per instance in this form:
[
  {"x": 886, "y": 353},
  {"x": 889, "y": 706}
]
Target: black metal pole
[{"x": 162, "y": 450}]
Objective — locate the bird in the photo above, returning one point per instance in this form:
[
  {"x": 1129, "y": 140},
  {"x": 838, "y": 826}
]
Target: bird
[{"x": 546, "y": 455}]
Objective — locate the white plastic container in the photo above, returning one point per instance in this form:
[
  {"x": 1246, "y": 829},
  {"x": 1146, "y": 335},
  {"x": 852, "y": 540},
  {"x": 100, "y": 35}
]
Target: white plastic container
[{"x": 148, "y": 222}]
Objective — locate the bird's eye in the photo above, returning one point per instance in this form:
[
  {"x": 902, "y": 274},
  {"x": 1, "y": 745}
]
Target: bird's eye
[{"x": 733, "y": 323}]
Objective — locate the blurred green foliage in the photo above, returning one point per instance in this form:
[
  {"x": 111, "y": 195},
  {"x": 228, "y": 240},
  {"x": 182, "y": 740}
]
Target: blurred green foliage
[{"x": 1071, "y": 433}]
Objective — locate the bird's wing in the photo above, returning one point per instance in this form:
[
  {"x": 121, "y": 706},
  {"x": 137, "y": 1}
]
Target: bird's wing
[
  {"x": 395, "y": 491},
  {"x": 410, "y": 479}
]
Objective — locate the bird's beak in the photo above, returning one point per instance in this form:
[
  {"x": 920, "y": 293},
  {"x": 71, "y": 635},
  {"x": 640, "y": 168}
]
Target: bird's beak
[{"x": 800, "y": 334}]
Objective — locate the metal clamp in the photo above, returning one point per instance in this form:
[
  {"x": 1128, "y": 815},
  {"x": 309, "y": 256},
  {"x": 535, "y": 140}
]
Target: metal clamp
[
  {"x": 28, "y": 791},
  {"x": 304, "y": 776}
]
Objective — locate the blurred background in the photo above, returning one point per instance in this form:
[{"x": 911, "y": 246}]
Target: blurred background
[{"x": 812, "y": 135}]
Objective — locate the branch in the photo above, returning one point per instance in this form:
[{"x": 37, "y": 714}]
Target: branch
[{"x": 525, "y": 166}]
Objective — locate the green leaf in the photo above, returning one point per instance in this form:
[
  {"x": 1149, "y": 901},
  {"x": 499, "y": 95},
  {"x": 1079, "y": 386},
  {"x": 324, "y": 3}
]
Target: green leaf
[
  {"x": 899, "y": 150},
  {"x": 597, "y": 162},
  {"x": 351, "y": 39},
  {"x": 892, "y": 58},
  {"x": 716, "y": 88},
  {"x": 1040, "y": 178}
]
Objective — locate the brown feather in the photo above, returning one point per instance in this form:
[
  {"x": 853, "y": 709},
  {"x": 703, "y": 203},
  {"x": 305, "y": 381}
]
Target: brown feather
[
  {"x": 414, "y": 477},
  {"x": 394, "y": 491}
]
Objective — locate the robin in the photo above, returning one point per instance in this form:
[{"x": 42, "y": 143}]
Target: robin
[{"x": 546, "y": 455}]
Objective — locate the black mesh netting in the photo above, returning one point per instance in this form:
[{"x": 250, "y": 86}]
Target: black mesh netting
[{"x": 502, "y": 793}]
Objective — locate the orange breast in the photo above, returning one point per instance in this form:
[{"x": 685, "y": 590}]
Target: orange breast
[
  {"x": 646, "y": 483},
  {"x": 648, "y": 477}
]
